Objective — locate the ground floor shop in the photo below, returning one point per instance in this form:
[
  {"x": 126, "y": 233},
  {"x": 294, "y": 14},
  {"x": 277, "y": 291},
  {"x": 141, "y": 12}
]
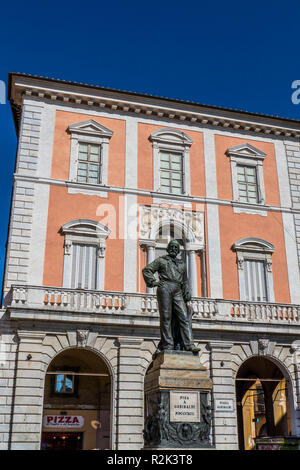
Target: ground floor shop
[{"x": 82, "y": 389}]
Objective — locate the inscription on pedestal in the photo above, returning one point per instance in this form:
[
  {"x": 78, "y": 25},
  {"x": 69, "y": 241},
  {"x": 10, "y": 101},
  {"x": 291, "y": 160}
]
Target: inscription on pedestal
[{"x": 184, "y": 407}]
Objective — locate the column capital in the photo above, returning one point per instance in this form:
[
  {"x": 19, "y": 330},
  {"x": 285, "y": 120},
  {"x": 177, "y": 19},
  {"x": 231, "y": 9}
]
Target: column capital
[
  {"x": 147, "y": 243},
  {"x": 196, "y": 247}
]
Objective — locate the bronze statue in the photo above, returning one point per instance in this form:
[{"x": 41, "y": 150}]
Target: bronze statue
[{"x": 173, "y": 293}]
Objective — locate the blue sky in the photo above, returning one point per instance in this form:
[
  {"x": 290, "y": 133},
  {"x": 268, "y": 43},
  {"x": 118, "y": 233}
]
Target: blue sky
[{"x": 240, "y": 55}]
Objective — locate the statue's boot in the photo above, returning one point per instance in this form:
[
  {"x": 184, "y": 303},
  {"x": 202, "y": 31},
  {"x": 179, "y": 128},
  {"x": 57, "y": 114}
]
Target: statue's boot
[{"x": 193, "y": 349}]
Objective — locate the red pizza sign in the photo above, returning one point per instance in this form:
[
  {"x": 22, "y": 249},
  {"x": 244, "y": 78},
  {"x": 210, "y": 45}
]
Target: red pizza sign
[{"x": 63, "y": 421}]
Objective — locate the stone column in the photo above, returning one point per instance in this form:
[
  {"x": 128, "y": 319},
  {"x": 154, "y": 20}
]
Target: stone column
[
  {"x": 129, "y": 395},
  {"x": 149, "y": 247},
  {"x": 192, "y": 274},
  {"x": 224, "y": 422}
]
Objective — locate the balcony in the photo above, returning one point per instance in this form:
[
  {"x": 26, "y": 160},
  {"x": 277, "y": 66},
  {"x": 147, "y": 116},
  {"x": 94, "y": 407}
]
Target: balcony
[{"x": 69, "y": 305}]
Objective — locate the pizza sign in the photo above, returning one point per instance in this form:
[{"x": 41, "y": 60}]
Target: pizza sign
[{"x": 63, "y": 421}]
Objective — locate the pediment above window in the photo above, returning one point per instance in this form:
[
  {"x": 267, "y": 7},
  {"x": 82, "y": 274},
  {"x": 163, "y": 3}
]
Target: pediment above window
[
  {"x": 85, "y": 227},
  {"x": 171, "y": 136},
  {"x": 245, "y": 151},
  {"x": 254, "y": 245},
  {"x": 90, "y": 128}
]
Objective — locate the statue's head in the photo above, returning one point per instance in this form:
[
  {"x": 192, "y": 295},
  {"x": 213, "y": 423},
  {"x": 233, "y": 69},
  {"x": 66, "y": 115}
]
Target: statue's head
[{"x": 173, "y": 248}]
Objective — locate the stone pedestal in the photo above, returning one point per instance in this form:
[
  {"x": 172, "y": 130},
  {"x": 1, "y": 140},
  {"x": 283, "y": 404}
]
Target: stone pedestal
[{"x": 177, "y": 392}]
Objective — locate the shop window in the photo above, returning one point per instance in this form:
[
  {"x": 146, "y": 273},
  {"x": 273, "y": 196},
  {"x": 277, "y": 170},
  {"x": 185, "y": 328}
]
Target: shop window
[{"x": 64, "y": 383}]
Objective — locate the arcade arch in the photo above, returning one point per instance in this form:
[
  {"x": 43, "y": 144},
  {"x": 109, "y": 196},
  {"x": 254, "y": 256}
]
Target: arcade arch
[
  {"x": 77, "y": 410},
  {"x": 264, "y": 403}
]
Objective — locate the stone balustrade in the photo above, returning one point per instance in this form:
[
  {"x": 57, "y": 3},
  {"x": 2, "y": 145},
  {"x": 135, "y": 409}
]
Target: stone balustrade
[
  {"x": 59, "y": 299},
  {"x": 265, "y": 312}
]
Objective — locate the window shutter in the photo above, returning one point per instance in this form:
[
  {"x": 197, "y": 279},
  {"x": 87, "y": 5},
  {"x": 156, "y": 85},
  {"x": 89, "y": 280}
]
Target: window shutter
[
  {"x": 255, "y": 281},
  {"x": 84, "y": 266}
]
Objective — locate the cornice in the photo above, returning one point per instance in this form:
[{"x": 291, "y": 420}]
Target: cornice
[
  {"x": 175, "y": 201},
  {"x": 23, "y": 86}
]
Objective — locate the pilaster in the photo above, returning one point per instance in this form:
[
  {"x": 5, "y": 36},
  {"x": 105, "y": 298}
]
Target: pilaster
[
  {"x": 130, "y": 395},
  {"x": 224, "y": 422},
  {"x": 27, "y": 397}
]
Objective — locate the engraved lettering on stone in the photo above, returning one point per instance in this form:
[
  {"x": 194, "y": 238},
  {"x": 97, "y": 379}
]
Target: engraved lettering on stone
[{"x": 184, "y": 406}]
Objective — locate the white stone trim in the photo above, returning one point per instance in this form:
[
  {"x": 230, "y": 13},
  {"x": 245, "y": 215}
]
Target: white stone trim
[
  {"x": 93, "y": 98},
  {"x": 130, "y": 243},
  {"x": 247, "y": 155},
  {"x": 195, "y": 126},
  {"x": 213, "y": 226},
  {"x": 39, "y": 231},
  {"x": 190, "y": 222},
  {"x": 86, "y": 232},
  {"x": 254, "y": 249},
  {"x": 46, "y": 141},
  {"x": 282, "y": 174},
  {"x": 131, "y": 156},
  {"x": 169, "y": 140},
  {"x": 183, "y": 201},
  {"x": 291, "y": 256},
  {"x": 249, "y": 210},
  {"x": 41, "y": 200},
  {"x": 90, "y": 132}
]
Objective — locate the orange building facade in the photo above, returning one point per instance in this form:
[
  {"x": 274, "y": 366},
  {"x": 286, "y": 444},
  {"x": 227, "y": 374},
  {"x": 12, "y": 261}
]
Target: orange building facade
[{"x": 104, "y": 180}]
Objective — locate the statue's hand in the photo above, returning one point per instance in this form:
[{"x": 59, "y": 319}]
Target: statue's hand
[
  {"x": 158, "y": 284},
  {"x": 187, "y": 297}
]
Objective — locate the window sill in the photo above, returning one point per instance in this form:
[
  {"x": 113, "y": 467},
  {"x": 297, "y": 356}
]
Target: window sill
[
  {"x": 87, "y": 189},
  {"x": 254, "y": 209},
  {"x": 171, "y": 199}
]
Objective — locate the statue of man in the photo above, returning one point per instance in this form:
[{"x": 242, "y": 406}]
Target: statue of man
[{"x": 172, "y": 294}]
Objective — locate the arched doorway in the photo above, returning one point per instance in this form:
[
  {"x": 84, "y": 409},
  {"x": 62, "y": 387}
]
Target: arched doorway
[
  {"x": 77, "y": 402},
  {"x": 263, "y": 407}
]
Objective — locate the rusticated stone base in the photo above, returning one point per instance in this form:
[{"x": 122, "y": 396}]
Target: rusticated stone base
[{"x": 177, "y": 391}]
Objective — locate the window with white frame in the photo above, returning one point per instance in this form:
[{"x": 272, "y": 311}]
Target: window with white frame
[
  {"x": 89, "y": 152},
  {"x": 89, "y": 163},
  {"x": 171, "y": 166},
  {"x": 170, "y": 172},
  {"x": 247, "y": 184},
  {"x": 84, "y": 254},
  {"x": 84, "y": 266},
  {"x": 246, "y": 163},
  {"x": 254, "y": 261}
]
